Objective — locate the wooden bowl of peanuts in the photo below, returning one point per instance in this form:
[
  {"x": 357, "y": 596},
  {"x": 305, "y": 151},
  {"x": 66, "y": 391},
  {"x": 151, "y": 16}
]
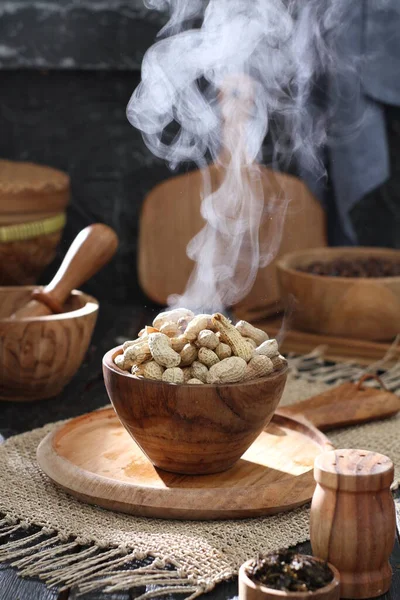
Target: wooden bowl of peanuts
[
  {"x": 194, "y": 392},
  {"x": 40, "y": 355}
]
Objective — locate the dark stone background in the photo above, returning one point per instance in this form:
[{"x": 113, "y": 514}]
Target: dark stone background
[
  {"x": 67, "y": 70},
  {"x": 75, "y": 121}
]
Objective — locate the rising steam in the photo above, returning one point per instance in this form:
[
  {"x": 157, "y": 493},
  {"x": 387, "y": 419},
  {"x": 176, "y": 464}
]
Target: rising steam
[{"x": 227, "y": 73}]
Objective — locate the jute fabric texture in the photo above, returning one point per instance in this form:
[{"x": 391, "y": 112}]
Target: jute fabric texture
[{"x": 74, "y": 544}]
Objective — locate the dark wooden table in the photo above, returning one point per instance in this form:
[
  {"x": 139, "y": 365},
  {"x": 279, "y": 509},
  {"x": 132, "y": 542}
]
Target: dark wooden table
[{"x": 85, "y": 393}]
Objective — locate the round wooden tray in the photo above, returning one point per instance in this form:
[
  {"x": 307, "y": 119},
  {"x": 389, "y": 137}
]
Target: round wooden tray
[{"x": 93, "y": 458}]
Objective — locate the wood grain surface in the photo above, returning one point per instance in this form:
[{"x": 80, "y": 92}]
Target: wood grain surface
[
  {"x": 360, "y": 308},
  {"x": 94, "y": 459},
  {"x": 22, "y": 261},
  {"x": 353, "y": 521},
  {"x": 171, "y": 217},
  {"x": 346, "y": 404},
  {"x": 40, "y": 355},
  {"x": 192, "y": 429}
]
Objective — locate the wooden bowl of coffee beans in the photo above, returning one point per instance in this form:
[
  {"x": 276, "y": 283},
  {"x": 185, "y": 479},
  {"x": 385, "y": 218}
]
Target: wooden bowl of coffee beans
[{"x": 345, "y": 292}]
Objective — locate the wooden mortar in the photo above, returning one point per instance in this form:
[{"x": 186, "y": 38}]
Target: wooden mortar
[
  {"x": 40, "y": 355},
  {"x": 41, "y": 351},
  {"x": 353, "y": 521}
]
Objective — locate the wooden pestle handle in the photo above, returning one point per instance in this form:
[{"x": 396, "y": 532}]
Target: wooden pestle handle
[
  {"x": 92, "y": 248},
  {"x": 346, "y": 404}
]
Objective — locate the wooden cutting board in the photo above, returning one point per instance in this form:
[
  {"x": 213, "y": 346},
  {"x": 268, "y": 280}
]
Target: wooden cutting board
[
  {"x": 93, "y": 458},
  {"x": 171, "y": 217}
]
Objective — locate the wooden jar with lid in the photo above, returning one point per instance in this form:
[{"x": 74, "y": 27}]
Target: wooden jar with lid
[
  {"x": 353, "y": 522},
  {"x": 33, "y": 200}
]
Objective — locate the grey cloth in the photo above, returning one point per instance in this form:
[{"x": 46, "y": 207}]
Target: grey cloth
[{"x": 357, "y": 153}]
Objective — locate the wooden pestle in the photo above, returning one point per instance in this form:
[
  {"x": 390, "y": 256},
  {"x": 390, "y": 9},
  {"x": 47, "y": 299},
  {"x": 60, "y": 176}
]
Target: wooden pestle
[{"x": 92, "y": 248}]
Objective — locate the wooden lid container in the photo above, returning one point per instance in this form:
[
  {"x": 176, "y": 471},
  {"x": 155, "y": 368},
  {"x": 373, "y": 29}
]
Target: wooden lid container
[
  {"x": 33, "y": 199},
  {"x": 353, "y": 470},
  {"x": 352, "y": 521},
  {"x": 30, "y": 192}
]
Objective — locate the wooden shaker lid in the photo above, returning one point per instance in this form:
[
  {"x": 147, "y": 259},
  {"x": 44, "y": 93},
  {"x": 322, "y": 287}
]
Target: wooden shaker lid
[{"x": 353, "y": 470}]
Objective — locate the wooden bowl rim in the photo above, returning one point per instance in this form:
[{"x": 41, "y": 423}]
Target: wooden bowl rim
[
  {"x": 282, "y": 263},
  {"x": 108, "y": 362},
  {"x": 91, "y": 306},
  {"x": 281, "y": 594}
]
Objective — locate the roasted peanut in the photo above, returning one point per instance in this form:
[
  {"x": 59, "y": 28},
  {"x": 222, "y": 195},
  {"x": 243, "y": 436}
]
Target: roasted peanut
[
  {"x": 146, "y": 331},
  {"x": 229, "y": 370},
  {"x": 279, "y": 362},
  {"x": 161, "y": 351},
  {"x": 183, "y": 323},
  {"x": 250, "y": 342},
  {"x": 207, "y": 339},
  {"x": 148, "y": 370},
  {"x": 171, "y": 316},
  {"x": 120, "y": 362},
  {"x": 231, "y": 336},
  {"x": 196, "y": 325},
  {"x": 173, "y": 375},
  {"x": 129, "y": 343},
  {"x": 207, "y": 357},
  {"x": 187, "y": 374},
  {"x": 259, "y": 366},
  {"x": 199, "y": 371},
  {"x": 223, "y": 351},
  {"x": 188, "y": 354},
  {"x": 178, "y": 343},
  {"x": 248, "y": 330},
  {"x": 138, "y": 353},
  {"x": 268, "y": 348},
  {"x": 183, "y": 348},
  {"x": 170, "y": 329}
]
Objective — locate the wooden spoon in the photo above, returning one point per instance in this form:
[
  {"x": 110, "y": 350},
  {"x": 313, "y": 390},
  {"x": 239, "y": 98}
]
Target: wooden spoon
[
  {"x": 92, "y": 248},
  {"x": 346, "y": 404}
]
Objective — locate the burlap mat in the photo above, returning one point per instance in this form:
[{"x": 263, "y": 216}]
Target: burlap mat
[{"x": 78, "y": 544}]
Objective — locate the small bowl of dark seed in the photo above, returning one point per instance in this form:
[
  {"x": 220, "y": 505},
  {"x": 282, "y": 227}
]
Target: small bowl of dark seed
[
  {"x": 287, "y": 574},
  {"x": 343, "y": 292}
]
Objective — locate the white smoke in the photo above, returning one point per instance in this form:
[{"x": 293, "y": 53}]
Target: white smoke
[{"x": 246, "y": 69}]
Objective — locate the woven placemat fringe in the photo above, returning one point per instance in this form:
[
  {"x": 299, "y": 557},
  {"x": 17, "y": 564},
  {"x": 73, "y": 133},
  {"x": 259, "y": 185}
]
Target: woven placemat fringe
[{"x": 62, "y": 563}]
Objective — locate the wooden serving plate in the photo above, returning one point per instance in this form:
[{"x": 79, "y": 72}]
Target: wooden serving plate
[{"x": 93, "y": 458}]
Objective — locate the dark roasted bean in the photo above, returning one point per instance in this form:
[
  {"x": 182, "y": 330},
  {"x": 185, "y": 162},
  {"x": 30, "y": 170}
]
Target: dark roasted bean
[{"x": 357, "y": 267}]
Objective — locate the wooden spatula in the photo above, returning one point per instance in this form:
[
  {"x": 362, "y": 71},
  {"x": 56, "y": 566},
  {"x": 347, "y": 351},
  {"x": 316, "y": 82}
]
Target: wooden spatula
[
  {"x": 93, "y": 247},
  {"x": 346, "y": 404},
  {"x": 171, "y": 217}
]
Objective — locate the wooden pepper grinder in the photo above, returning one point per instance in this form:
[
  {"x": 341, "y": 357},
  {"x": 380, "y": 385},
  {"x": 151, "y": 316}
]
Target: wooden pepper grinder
[{"x": 353, "y": 520}]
